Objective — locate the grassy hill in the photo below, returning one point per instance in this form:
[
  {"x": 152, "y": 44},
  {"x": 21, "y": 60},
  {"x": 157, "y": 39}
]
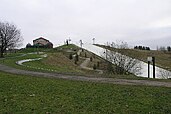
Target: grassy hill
[
  {"x": 163, "y": 59},
  {"x": 59, "y": 61}
]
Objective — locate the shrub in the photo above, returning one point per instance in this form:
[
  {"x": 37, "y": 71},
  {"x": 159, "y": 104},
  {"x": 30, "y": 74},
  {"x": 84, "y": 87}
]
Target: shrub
[
  {"x": 70, "y": 56},
  {"x": 91, "y": 59},
  {"x": 110, "y": 68},
  {"x": 94, "y": 67}
]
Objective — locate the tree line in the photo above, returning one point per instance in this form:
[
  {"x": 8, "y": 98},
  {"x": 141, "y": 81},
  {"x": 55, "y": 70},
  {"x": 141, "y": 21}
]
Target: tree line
[
  {"x": 163, "y": 48},
  {"x": 141, "y": 47}
]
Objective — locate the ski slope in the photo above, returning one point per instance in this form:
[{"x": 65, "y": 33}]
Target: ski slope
[{"x": 159, "y": 72}]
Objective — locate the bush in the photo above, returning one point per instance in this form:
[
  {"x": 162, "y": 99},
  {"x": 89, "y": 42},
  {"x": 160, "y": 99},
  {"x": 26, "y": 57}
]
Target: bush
[
  {"x": 85, "y": 54},
  {"x": 98, "y": 64},
  {"x": 110, "y": 68},
  {"x": 76, "y": 58},
  {"x": 94, "y": 67},
  {"x": 91, "y": 59},
  {"x": 70, "y": 56}
]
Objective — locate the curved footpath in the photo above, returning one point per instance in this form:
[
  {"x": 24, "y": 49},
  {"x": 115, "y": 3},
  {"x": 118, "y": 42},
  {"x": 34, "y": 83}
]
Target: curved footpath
[
  {"x": 8, "y": 69},
  {"x": 85, "y": 63}
]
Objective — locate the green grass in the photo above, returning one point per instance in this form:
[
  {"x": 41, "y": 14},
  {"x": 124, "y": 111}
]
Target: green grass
[
  {"x": 30, "y": 50},
  {"x": 12, "y": 60},
  {"x": 8, "y": 55},
  {"x": 70, "y": 46},
  {"x": 24, "y": 94},
  {"x": 57, "y": 62}
]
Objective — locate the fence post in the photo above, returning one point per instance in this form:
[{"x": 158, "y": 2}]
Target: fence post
[{"x": 153, "y": 59}]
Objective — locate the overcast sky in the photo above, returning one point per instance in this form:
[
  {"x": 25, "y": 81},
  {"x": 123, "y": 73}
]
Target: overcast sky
[{"x": 138, "y": 22}]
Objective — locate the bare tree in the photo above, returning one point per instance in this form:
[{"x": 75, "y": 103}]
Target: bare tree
[
  {"x": 162, "y": 48},
  {"x": 164, "y": 74},
  {"x": 124, "y": 64},
  {"x": 10, "y": 37},
  {"x": 120, "y": 45}
]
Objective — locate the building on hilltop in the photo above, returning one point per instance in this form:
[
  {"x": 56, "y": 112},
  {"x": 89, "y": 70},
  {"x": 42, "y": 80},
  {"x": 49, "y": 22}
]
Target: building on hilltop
[{"x": 42, "y": 42}]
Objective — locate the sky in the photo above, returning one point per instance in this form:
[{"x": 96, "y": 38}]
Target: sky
[{"x": 137, "y": 22}]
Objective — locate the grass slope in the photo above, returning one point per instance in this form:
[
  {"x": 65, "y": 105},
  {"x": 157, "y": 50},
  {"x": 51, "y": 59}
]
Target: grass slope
[
  {"x": 57, "y": 62},
  {"x": 24, "y": 94}
]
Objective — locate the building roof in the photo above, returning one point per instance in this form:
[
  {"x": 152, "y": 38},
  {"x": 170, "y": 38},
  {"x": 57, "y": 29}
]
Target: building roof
[{"x": 41, "y": 38}]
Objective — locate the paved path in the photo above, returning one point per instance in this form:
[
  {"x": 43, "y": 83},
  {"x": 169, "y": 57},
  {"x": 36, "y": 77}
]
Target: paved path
[
  {"x": 85, "y": 63},
  {"x": 84, "y": 78}
]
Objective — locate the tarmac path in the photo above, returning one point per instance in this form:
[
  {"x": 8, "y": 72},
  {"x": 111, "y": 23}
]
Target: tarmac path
[
  {"x": 85, "y": 63},
  {"x": 8, "y": 69}
]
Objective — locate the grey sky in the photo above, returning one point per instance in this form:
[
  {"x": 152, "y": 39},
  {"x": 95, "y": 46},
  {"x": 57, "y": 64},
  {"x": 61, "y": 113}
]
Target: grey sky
[{"x": 138, "y": 22}]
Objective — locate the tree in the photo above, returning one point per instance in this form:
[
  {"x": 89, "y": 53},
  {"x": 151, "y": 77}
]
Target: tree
[
  {"x": 10, "y": 37},
  {"x": 28, "y": 45},
  {"x": 164, "y": 74},
  {"x": 168, "y": 48},
  {"x": 70, "y": 56},
  {"x": 162, "y": 48},
  {"x": 124, "y": 64},
  {"x": 110, "y": 68},
  {"x": 141, "y": 47},
  {"x": 94, "y": 67},
  {"x": 91, "y": 59},
  {"x": 135, "y": 47},
  {"x": 119, "y": 45},
  {"x": 76, "y": 58}
]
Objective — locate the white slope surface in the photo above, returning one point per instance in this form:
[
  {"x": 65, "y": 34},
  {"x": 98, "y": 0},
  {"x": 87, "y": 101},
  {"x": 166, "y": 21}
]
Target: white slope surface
[{"x": 159, "y": 72}]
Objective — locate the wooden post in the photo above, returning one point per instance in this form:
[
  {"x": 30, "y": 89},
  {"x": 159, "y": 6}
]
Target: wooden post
[
  {"x": 153, "y": 59},
  {"x": 148, "y": 69},
  {"x": 149, "y": 59}
]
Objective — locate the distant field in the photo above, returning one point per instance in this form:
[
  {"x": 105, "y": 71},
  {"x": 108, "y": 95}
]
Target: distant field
[
  {"x": 163, "y": 59},
  {"x": 25, "y": 94}
]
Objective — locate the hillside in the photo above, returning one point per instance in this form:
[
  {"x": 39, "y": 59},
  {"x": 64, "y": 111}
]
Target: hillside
[
  {"x": 163, "y": 59},
  {"x": 62, "y": 60}
]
